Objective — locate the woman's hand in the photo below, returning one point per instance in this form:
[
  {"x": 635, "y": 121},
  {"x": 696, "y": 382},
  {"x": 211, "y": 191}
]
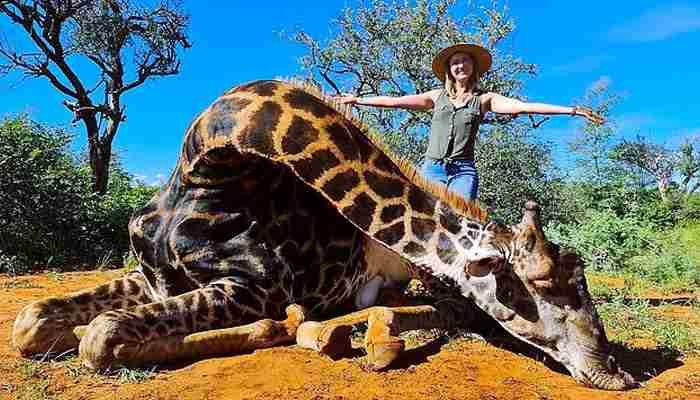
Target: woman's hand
[
  {"x": 592, "y": 116},
  {"x": 346, "y": 98}
]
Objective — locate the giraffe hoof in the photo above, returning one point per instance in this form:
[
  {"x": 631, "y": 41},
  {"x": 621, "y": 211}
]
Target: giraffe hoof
[
  {"x": 97, "y": 345},
  {"x": 296, "y": 315},
  {"x": 382, "y": 354},
  {"x": 36, "y": 332},
  {"x": 334, "y": 341},
  {"x": 331, "y": 340}
]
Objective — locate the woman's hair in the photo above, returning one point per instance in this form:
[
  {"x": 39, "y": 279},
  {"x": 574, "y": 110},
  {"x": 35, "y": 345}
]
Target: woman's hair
[{"x": 451, "y": 84}]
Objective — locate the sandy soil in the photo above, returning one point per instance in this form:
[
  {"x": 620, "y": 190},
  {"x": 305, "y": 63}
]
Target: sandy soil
[{"x": 460, "y": 369}]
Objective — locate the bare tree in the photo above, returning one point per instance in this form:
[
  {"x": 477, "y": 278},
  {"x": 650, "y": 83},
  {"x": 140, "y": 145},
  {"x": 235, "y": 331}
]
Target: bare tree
[
  {"x": 664, "y": 164},
  {"x": 126, "y": 42}
]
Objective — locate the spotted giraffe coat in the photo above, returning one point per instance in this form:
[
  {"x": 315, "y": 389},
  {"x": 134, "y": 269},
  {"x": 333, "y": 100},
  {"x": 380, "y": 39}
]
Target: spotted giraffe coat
[{"x": 281, "y": 195}]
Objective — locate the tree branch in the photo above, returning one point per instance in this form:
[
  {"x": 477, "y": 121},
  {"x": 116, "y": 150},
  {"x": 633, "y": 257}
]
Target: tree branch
[
  {"x": 536, "y": 124},
  {"x": 324, "y": 75}
]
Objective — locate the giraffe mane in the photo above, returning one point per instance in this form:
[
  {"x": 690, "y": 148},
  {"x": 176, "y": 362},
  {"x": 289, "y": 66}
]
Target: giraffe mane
[{"x": 470, "y": 209}]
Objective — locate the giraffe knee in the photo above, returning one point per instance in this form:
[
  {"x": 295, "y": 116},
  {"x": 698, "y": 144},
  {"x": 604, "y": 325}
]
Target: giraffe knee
[
  {"x": 39, "y": 329},
  {"x": 102, "y": 336}
]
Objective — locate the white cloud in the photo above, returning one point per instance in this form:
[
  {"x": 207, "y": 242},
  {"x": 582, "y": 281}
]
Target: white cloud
[{"x": 658, "y": 24}]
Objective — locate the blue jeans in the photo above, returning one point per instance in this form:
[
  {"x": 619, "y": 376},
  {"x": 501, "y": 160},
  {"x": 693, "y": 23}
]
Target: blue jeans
[{"x": 459, "y": 176}]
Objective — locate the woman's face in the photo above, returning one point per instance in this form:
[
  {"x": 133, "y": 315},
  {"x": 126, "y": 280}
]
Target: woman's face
[{"x": 461, "y": 66}]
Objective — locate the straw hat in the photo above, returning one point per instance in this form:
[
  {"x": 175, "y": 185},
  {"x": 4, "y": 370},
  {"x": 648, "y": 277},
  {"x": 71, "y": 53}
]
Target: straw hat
[{"x": 481, "y": 57}]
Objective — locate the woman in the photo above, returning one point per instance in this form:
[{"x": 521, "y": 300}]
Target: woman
[{"x": 457, "y": 112}]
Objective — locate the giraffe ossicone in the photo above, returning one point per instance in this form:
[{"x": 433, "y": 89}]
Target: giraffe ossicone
[{"x": 281, "y": 198}]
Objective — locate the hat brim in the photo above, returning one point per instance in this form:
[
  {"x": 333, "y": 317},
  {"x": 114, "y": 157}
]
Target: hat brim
[{"x": 481, "y": 56}]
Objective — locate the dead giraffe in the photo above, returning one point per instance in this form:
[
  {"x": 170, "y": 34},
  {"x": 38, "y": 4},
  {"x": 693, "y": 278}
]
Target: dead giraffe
[{"x": 282, "y": 202}]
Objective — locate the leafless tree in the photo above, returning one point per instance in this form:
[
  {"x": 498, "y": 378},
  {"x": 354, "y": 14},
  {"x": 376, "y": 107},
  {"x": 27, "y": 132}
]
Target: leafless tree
[{"x": 679, "y": 166}]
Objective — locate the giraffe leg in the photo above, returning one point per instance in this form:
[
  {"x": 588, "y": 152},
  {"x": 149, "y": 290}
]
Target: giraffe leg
[
  {"x": 383, "y": 326},
  {"x": 198, "y": 324},
  {"x": 48, "y": 325}
]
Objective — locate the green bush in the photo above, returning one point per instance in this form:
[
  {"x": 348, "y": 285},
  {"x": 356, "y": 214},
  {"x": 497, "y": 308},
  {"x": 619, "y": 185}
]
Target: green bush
[
  {"x": 105, "y": 220},
  {"x": 689, "y": 237},
  {"x": 674, "y": 261},
  {"x": 49, "y": 216},
  {"x": 606, "y": 241},
  {"x": 632, "y": 245},
  {"x": 514, "y": 169},
  {"x": 665, "y": 265},
  {"x": 623, "y": 197},
  {"x": 691, "y": 208}
]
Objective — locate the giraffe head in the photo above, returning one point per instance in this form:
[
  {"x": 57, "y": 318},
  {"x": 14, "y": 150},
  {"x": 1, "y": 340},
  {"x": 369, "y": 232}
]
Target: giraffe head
[{"x": 539, "y": 294}]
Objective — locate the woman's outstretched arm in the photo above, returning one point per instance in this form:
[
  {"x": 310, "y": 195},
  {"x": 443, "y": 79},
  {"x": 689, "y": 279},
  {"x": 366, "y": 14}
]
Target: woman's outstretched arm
[
  {"x": 500, "y": 104},
  {"x": 423, "y": 101}
]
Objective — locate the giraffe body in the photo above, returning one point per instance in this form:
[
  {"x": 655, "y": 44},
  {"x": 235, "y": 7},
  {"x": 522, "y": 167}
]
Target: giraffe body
[{"x": 279, "y": 199}]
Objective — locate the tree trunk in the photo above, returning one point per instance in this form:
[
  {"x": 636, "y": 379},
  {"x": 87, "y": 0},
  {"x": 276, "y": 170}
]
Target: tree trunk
[
  {"x": 663, "y": 184},
  {"x": 100, "y": 153},
  {"x": 100, "y": 169}
]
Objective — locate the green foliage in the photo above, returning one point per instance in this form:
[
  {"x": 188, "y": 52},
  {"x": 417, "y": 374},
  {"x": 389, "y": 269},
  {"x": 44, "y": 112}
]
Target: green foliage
[
  {"x": 674, "y": 171},
  {"x": 41, "y": 196},
  {"x": 410, "y": 147},
  {"x": 129, "y": 262},
  {"x": 385, "y": 48},
  {"x": 634, "y": 243},
  {"x": 674, "y": 260},
  {"x": 631, "y": 319},
  {"x": 512, "y": 170},
  {"x": 619, "y": 194},
  {"x": 49, "y": 216},
  {"x": 606, "y": 241},
  {"x": 12, "y": 265},
  {"x": 689, "y": 238},
  {"x": 666, "y": 264},
  {"x": 691, "y": 209},
  {"x": 592, "y": 144},
  {"x": 119, "y": 45}
]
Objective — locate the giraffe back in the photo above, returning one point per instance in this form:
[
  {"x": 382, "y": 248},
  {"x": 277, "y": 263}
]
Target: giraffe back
[{"x": 274, "y": 183}]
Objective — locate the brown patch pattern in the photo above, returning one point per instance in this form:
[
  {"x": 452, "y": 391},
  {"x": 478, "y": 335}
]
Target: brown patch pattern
[
  {"x": 299, "y": 135},
  {"x": 338, "y": 186},
  {"x": 256, "y": 135}
]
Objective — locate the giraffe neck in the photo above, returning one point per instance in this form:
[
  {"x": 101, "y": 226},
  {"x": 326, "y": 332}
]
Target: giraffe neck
[{"x": 327, "y": 151}]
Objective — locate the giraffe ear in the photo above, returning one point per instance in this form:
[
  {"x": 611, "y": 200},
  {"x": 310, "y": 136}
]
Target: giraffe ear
[{"x": 485, "y": 266}]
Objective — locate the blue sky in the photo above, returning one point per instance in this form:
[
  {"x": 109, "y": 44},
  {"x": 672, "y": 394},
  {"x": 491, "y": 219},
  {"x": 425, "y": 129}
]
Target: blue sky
[{"x": 646, "y": 50}]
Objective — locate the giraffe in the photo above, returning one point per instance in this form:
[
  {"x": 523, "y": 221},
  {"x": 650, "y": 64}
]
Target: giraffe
[{"x": 284, "y": 210}]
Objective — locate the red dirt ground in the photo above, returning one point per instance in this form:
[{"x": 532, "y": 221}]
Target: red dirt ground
[{"x": 458, "y": 370}]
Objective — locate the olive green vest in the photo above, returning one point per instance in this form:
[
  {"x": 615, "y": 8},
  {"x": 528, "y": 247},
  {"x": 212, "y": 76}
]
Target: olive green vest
[{"x": 453, "y": 130}]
